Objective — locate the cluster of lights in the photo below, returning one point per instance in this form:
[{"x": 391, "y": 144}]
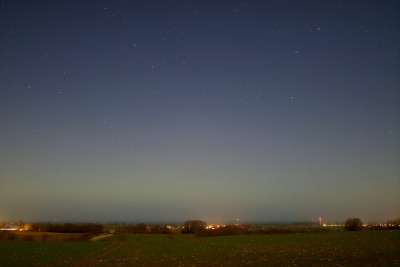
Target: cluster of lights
[
  {"x": 214, "y": 227},
  {"x": 26, "y": 227},
  {"x": 332, "y": 225}
]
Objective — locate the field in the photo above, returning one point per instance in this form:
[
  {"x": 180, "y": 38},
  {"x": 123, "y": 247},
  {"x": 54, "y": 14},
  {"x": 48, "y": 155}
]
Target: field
[{"x": 366, "y": 248}]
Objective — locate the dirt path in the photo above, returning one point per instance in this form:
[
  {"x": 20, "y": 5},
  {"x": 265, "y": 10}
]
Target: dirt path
[
  {"x": 101, "y": 237},
  {"x": 105, "y": 251},
  {"x": 98, "y": 257}
]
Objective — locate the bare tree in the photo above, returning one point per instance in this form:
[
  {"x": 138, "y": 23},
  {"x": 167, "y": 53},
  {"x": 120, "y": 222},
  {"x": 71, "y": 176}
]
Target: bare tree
[
  {"x": 353, "y": 224},
  {"x": 193, "y": 226}
]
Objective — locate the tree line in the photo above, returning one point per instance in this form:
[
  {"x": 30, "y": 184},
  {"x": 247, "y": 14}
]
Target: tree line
[
  {"x": 142, "y": 228},
  {"x": 198, "y": 228},
  {"x": 355, "y": 224},
  {"x": 68, "y": 228}
]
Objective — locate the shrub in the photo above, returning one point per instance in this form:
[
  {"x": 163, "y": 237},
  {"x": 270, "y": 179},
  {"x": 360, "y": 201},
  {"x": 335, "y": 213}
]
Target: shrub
[
  {"x": 353, "y": 224},
  {"x": 8, "y": 235},
  {"x": 193, "y": 226}
]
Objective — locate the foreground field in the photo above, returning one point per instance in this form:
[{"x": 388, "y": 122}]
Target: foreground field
[{"x": 370, "y": 248}]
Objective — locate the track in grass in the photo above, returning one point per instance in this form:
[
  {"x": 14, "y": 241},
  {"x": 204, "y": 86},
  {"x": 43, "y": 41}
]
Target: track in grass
[
  {"x": 99, "y": 256},
  {"x": 114, "y": 246}
]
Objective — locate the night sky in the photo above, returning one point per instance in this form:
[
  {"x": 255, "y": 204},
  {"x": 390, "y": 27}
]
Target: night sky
[{"x": 215, "y": 110}]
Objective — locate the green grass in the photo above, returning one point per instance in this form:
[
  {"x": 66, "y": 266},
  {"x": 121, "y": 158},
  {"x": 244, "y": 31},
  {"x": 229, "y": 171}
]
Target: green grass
[
  {"x": 43, "y": 253},
  {"x": 311, "y": 249},
  {"x": 370, "y": 248}
]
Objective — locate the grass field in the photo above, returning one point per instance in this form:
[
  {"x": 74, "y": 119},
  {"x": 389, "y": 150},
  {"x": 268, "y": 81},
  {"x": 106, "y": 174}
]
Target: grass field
[{"x": 369, "y": 248}]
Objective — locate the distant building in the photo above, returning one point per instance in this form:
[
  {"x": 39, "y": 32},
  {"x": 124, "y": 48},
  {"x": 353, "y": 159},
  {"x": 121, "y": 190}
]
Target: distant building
[{"x": 9, "y": 228}]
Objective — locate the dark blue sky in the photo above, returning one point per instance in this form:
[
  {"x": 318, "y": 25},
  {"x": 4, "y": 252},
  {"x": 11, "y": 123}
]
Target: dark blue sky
[{"x": 174, "y": 110}]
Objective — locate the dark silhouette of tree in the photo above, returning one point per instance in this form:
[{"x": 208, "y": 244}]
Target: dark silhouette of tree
[
  {"x": 140, "y": 228},
  {"x": 222, "y": 231},
  {"x": 36, "y": 227},
  {"x": 74, "y": 228},
  {"x": 160, "y": 229},
  {"x": 193, "y": 226},
  {"x": 393, "y": 224},
  {"x": 353, "y": 224}
]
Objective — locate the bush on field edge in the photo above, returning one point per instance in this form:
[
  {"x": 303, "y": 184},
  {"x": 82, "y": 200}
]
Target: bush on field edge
[{"x": 8, "y": 236}]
